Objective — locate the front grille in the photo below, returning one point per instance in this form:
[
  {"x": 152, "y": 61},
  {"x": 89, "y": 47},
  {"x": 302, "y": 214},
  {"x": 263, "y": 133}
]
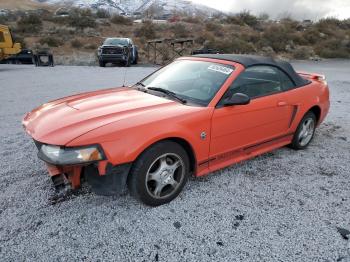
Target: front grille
[{"x": 112, "y": 51}]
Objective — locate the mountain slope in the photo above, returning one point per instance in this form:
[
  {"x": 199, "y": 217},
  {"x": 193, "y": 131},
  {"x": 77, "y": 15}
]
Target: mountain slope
[
  {"x": 22, "y": 4},
  {"x": 131, "y": 6}
]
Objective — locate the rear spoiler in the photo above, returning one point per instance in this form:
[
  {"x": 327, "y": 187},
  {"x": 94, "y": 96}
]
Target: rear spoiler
[{"x": 313, "y": 76}]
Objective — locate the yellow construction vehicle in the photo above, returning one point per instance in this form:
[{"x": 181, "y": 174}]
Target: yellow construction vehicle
[{"x": 7, "y": 46}]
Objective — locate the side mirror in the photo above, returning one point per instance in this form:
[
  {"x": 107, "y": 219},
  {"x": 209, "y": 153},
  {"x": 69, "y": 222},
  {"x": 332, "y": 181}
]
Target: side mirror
[{"x": 237, "y": 99}]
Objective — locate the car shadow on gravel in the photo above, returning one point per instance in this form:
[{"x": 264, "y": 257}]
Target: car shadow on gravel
[{"x": 264, "y": 167}]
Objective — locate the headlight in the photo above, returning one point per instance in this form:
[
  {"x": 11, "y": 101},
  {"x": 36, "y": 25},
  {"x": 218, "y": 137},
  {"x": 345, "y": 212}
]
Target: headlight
[{"x": 70, "y": 155}]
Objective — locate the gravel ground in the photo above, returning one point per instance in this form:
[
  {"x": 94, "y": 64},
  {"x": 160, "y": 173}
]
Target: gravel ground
[{"x": 282, "y": 206}]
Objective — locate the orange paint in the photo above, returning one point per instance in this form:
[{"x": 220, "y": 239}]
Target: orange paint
[{"x": 125, "y": 122}]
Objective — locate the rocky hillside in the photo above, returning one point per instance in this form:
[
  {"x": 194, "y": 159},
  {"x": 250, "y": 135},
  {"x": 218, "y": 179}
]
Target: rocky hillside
[
  {"x": 138, "y": 6},
  {"x": 75, "y": 36}
]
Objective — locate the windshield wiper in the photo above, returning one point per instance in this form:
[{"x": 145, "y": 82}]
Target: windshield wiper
[
  {"x": 142, "y": 89},
  {"x": 169, "y": 93}
]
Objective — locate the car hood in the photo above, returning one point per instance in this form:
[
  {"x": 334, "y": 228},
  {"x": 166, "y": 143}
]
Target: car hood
[
  {"x": 60, "y": 121},
  {"x": 110, "y": 46}
]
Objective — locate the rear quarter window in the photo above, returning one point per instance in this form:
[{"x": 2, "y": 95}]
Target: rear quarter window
[{"x": 286, "y": 82}]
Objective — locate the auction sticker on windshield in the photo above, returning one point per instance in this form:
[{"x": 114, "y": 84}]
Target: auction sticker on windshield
[{"x": 221, "y": 69}]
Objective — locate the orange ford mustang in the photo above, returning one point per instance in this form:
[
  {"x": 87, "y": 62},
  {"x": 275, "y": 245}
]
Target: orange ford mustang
[{"x": 191, "y": 117}]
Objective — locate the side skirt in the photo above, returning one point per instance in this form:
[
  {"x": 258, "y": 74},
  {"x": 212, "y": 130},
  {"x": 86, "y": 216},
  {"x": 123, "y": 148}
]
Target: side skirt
[{"x": 231, "y": 157}]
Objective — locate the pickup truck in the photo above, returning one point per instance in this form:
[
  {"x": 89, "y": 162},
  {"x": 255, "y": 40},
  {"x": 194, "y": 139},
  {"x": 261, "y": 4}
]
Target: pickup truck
[{"x": 117, "y": 50}]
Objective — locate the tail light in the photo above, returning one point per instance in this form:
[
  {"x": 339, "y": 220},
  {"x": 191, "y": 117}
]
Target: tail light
[
  {"x": 315, "y": 77},
  {"x": 320, "y": 78}
]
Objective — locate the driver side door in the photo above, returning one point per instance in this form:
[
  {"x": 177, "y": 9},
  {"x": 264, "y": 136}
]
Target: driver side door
[{"x": 239, "y": 130}]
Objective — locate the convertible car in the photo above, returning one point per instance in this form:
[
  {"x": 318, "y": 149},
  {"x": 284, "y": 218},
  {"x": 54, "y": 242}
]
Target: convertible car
[{"x": 189, "y": 118}]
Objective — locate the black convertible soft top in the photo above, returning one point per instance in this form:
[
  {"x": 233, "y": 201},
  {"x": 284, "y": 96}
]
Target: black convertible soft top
[{"x": 253, "y": 60}]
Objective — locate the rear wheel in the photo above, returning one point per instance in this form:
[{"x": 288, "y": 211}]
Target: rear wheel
[
  {"x": 127, "y": 62},
  {"x": 305, "y": 132},
  {"x": 136, "y": 58},
  {"x": 159, "y": 174}
]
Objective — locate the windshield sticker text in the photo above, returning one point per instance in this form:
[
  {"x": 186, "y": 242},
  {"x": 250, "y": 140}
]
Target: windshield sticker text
[{"x": 221, "y": 69}]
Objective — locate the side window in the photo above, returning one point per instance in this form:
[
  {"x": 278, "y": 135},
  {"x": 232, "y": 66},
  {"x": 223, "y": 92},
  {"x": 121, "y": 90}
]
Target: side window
[
  {"x": 258, "y": 81},
  {"x": 286, "y": 82}
]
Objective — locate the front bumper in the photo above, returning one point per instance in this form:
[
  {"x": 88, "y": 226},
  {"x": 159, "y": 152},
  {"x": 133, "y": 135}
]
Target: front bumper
[
  {"x": 112, "y": 57},
  {"x": 112, "y": 183},
  {"x": 104, "y": 178}
]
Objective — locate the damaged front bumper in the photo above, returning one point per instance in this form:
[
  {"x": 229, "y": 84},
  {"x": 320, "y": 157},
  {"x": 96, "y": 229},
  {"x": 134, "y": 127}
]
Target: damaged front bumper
[{"x": 103, "y": 177}]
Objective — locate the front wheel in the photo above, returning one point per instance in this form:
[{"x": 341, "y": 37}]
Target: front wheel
[
  {"x": 101, "y": 63},
  {"x": 159, "y": 174},
  {"x": 305, "y": 132}
]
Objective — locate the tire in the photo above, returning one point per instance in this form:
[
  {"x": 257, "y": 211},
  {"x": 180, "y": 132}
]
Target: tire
[
  {"x": 159, "y": 173},
  {"x": 305, "y": 132},
  {"x": 51, "y": 63},
  {"x": 127, "y": 62},
  {"x": 101, "y": 63},
  {"x": 136, "y": 58}
]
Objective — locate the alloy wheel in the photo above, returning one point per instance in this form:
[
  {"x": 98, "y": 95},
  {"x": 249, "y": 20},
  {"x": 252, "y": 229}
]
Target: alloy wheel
[
  {"x": 307, "y": 131},
  {"x": 165, "y": 175}
]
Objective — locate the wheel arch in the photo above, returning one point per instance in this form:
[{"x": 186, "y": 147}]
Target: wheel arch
[
  {"x": 184, "y": 144},
  {"x": 317, "y": 111}
]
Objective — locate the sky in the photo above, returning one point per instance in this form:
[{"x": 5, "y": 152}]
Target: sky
[{"x": 300, "y": 9}]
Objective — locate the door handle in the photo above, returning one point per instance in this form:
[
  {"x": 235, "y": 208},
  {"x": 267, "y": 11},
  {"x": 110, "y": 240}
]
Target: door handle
[{"x": 281, "y": 103}]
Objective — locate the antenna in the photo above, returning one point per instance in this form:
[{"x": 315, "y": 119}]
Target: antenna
[{"x": 124, "y": 78}]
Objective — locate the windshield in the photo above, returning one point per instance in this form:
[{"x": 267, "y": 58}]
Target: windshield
[
  {"x": 195, "y": 81},
  {"x": 116, "y": 41}
]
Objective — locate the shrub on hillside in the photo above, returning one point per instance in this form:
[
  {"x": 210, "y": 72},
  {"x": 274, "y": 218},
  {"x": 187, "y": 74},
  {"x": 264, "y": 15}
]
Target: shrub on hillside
[
  {"x": 333, "y": 48},
  {"x": 29, "y": 24},
  {"x": 311, "y": 36},
  {"x": 345, "y": 24},
  {"x": 180, "y": 30},
  {"x": 192, "y": 19},
  {"x": 102, "y": 13},
  {"x": 213, "y": 27},
  {"x": 331, "y": 53},
  {"x": 303, "y": 52},
  {"x": 243, "y": 18},
  {"x": 204, "y": 38},
  {"x": 81, "y": 18},
  {"x": 232, "y": 45},
  {"x": 332, "y": 26},
  {"x": 277, "y": 37},
  {"x": 326, "y": 24},
  {"x": 121, "y": 20},
  {"x": 90, "y": 46},
  {"x": 76, "y": 43},
  {"x": 51, "y": 41},
  {"x": 239, "y": 46},
  {"x": 147, "y": 30},
  {"x": 247, "y": 18}
]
